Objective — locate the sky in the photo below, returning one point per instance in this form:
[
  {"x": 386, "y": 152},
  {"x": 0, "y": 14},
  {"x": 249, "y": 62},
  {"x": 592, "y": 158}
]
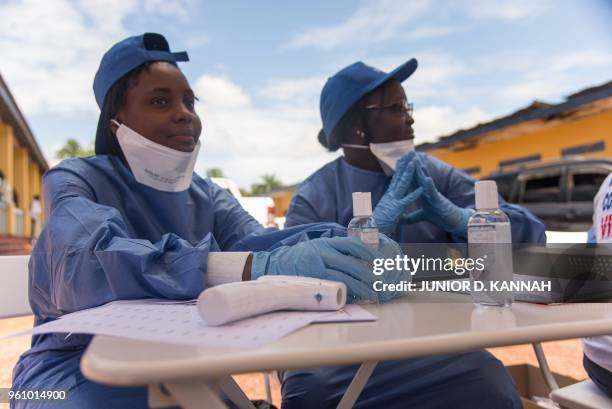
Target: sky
[{"x": 258, "y": 67}]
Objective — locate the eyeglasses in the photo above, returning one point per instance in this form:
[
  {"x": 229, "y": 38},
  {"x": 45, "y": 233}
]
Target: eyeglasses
[{"x": 398, "y": 108}]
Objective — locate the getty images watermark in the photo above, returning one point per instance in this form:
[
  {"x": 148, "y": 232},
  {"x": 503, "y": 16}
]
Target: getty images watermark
[
  {"x": 455, "y": 267},
  {"x": 541, "y": 273}
]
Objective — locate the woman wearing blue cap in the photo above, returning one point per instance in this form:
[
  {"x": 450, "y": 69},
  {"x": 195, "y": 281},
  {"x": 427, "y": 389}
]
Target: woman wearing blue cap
[
  {"x": 365, "y": 112},
  {"x": 417, "y": 199},
  {"x": 134, "y": 221}
]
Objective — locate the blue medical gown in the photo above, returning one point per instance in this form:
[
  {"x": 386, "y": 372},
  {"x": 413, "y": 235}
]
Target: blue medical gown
[
  {"x": 467, "y": 380},
  {"x": 109, "y": 237},
  {"x": 326, "y": 196}
]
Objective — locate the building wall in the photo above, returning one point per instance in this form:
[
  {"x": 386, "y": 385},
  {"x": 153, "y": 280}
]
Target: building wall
[
  {"x": 23, "y": 174},
  {"x": 543, "y": 139},
  {"x": 282, "y": 199}
]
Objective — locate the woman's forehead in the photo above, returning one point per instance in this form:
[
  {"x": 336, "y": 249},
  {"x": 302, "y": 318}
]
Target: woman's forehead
[
  {"x": 389, "y": 92},
  {"x": 161, "y": 75}
]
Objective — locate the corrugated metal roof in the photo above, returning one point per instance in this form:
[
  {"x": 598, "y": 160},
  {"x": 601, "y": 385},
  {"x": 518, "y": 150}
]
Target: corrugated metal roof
[
  {"x": 10, "y": 113},
  {"x": 536, "y": 110}
]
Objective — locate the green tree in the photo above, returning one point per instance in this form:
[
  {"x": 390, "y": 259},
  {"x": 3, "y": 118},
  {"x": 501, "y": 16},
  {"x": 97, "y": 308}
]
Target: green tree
[
  {"x": 268, "y": 183},
  {"x": 72, "y": 148},
  {"x": 214, "y": 173}
]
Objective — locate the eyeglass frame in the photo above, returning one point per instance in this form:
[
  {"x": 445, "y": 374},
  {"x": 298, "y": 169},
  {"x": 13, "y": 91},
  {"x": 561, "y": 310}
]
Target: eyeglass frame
[{"x": 408, "y": 107}]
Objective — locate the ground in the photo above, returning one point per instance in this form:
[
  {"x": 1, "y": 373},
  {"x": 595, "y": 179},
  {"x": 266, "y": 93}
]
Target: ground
[{"x": 564, "y": 357}]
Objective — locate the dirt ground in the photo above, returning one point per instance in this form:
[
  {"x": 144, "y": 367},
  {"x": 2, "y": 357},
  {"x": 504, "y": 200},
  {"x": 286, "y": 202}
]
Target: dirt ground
[{"x": 564, "y": 357}]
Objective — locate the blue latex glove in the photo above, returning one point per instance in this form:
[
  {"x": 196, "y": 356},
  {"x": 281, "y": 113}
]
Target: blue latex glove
[
  {"x": 388, "y": 248},
  {"x": 342, "y": 259},
  {"x": 338, "y": 259},
  {"x": 398, "y": 196},
  {"x": 436, "y": 208}
]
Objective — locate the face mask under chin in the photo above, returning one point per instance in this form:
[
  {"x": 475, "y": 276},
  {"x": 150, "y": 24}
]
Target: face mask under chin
[
  {"x": 154, "y": 165},
  {"x": 387, "y": 153}
]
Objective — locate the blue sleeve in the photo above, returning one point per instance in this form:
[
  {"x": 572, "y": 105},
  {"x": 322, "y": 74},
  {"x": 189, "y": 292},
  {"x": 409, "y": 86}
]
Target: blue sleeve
[
  {"x": 232, "y": 222},
  {"x": 526, "y": 227},
  {"x": 301, "y": 211},
  {"x": 271, "y": 239},
  {"x": 458, "y": 187},
  {"x": 85, "y": 257}
]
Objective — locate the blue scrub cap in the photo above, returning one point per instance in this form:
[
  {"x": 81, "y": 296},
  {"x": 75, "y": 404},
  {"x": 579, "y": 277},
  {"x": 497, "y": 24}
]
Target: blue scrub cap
[
  {"x": 351, "y": 83},
  {"x": 128, "y": 54}
]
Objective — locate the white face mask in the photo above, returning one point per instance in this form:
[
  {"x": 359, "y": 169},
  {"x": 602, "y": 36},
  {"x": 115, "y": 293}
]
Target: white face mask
[
  {"x": 388, "y": 153},
  {"x": 155, "y": 165}
]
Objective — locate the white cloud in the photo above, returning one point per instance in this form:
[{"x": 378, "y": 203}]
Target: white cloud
[
  {"x": 425, "y": 32},
  {"x": 220, "y": 93},
  {"x": 196, "y": 41},
  {"x": 442, "y": 102},
  {"x": 54, "y": 49},
  {"x": 295, "y": 91},
  {"x": 438, "y": 74},
  {"x": 378, "y": 21},
  {"x": 506, "y": 10},
  {"x": 434, "y": 121},
  {"x": 175, "y": 8},
  {"x": 373, "y": 22},
  {"x": 560, "y": 74},
  {"x": 530, "y": 89},
  {"x": 56, "y": 46},
  {"x": 580, "y": 59},
  {"x": 248, "y": 140}
]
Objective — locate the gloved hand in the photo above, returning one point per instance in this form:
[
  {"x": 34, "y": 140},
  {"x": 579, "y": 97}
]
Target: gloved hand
[
  {"x": 437, "y": 209},
  {"x": 342, "y": 259},
  {"x": 388, "y": 248},
  {"x": 397, "y": 198}
]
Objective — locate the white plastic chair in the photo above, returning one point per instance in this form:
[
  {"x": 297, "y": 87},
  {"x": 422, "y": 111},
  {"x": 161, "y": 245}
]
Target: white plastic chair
[
  {"x": 581, "y": 395},
  {"x": 14, "y": 300},
  {"x": 14, "y": 286}
]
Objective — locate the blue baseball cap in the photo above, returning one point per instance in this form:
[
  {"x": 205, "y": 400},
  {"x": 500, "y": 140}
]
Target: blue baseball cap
[
  {"x": 128, "y": 54},
  {"x": 351, "y": 83}
]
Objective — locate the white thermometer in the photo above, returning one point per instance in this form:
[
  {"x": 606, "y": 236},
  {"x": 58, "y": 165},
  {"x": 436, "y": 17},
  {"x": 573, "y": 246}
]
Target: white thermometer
[{"x": 230, "y": 302}]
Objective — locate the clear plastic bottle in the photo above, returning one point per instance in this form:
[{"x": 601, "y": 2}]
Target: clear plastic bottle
[
  {"x": 363, "y": 226},
  {"x": 490, "y": 238}
]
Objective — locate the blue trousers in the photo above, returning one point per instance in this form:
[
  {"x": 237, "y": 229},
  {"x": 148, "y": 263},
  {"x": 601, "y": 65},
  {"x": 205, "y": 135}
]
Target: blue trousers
[
  {"x": 600, "y": 376},
  {"x": 471, "y": 380},
  {"x": 59, "y": 370}
]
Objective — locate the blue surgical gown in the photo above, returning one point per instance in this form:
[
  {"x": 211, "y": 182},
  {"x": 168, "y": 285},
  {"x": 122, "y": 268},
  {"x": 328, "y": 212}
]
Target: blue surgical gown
[
  {"x": 108, "y": 237},
  {"x": 466, "y": 380},
  {"x": 326, "y": 196}
]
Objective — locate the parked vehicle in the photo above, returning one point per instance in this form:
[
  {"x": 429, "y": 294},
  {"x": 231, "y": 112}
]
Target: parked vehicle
[
  {"x": 260, "y": 207},
  {"x": 561, "y": 193}
]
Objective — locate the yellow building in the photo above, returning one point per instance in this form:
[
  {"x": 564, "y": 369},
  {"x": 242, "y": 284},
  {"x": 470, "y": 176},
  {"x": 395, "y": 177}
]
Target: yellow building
[
  {"x": 21, "y": 167},
  {"x": 282, "y": 199},
  {"x": 581, "y": 125}
]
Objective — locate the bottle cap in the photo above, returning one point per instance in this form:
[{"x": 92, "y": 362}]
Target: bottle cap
[
  {"x": 362, "y": 204},
  {"x": 486, "y": 195}
]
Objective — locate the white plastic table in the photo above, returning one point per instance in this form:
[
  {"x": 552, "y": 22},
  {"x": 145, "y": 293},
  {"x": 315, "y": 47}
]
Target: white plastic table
[{"x": 418, "y": 325}]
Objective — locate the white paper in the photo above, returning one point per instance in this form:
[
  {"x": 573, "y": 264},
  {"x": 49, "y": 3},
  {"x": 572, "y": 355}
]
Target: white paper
[
  {"x": 180, "y": 323},
  {"x": 349, "y": 313}
]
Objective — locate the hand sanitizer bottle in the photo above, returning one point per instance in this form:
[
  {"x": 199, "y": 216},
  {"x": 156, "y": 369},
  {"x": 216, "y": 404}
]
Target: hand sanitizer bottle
[
  {"x": 362, "y": 226},
  {"x": 490, "y": 239}
]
